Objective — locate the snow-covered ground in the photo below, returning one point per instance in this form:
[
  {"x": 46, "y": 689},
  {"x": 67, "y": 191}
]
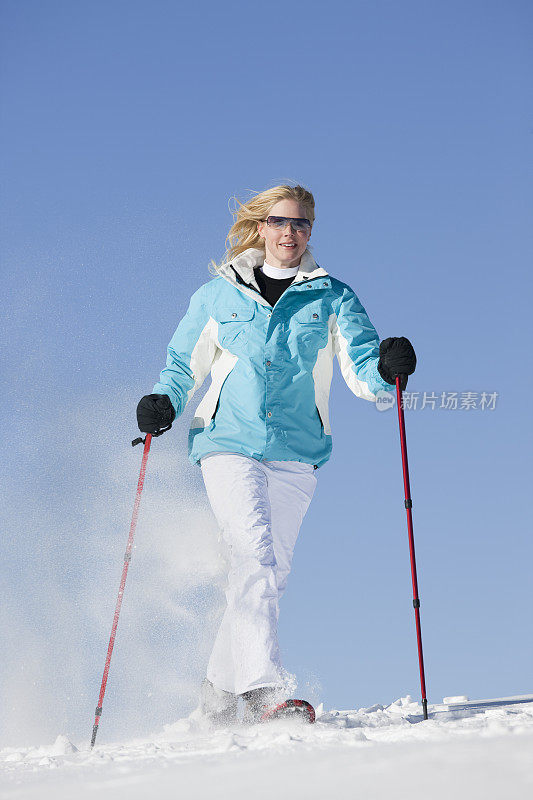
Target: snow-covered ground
[{"x": 372, "y": 753}]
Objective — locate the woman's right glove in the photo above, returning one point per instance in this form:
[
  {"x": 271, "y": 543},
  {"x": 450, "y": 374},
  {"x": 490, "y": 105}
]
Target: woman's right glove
[{"x": 155, "y": 411}]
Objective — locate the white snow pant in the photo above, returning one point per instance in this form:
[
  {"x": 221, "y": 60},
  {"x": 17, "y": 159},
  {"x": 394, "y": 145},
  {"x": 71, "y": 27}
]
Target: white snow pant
[{"x": 259, "y": 506}]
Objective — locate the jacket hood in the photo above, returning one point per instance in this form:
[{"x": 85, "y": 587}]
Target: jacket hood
[{"x": 245, "y": 263}]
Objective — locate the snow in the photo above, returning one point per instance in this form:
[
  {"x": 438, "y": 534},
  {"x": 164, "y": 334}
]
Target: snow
[{"x": 376, "y": 753}]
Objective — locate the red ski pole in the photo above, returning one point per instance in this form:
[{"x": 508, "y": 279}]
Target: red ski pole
[
  {"x": 408, "y": 507},
  {"x": 127, "y": 559}
]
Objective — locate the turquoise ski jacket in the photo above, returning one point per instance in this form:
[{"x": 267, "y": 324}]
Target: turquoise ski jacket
[{"x": 271, "y": 367}]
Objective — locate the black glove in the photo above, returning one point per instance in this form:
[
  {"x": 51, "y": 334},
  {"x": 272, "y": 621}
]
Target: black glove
[
  {"x": 396, "y": 357},
  {"x": 155, "y": 411}
]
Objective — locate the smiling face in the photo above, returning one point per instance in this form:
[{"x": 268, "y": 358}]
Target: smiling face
[{"x": 284, "y": 248}]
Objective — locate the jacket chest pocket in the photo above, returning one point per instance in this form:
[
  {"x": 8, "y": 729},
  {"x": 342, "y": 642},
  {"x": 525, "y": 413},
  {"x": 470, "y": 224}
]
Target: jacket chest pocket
[
  {"x": 234, "y": 325},
  {"x": 310, "y": 327}
]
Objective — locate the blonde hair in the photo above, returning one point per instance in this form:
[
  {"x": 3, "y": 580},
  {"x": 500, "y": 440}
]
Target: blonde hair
[{"x": 244, "y": 234}]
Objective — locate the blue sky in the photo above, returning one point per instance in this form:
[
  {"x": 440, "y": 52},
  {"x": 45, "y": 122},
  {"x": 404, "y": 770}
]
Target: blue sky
[{"x": 126, "y": 128}]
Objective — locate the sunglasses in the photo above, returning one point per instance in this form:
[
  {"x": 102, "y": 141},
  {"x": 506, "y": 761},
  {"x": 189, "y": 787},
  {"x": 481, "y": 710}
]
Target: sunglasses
[{"x": 298, "y": 224}]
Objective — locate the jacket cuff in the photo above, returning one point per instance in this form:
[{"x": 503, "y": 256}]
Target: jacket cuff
[{"x": 376, "y": 382}]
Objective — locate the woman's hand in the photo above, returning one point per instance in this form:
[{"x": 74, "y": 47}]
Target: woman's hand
[
  {"x": 155, "y": 411},
  {"x": 396, "y": 357}
]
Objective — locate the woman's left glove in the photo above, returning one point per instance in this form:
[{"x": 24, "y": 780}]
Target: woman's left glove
[
  {"x": 155, "y": 411},
  {"x": 396, "y": 357}
]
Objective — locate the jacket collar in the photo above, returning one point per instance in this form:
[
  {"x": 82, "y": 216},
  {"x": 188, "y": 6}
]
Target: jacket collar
[{"x": 245, "y": 263}]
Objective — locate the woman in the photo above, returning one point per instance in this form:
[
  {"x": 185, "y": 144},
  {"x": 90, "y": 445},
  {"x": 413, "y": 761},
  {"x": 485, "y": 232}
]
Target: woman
[{"x": 267, "y": 328}]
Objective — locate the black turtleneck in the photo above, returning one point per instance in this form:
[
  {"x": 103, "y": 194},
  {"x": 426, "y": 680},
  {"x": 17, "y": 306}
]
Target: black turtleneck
[{"x": 271, "y": 288}]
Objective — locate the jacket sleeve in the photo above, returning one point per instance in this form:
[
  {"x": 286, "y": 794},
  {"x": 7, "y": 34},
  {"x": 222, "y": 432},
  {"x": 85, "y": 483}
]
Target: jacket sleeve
[
  {"x": 356, "y": 345},
  {"x": 190, "y": 353}
]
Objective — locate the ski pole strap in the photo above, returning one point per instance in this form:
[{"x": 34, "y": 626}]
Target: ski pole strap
[
  {"x": 159, "y": 432},
  {"x": 162, "y": 430}
]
